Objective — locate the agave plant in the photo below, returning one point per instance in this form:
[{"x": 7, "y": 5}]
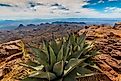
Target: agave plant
[{"x": 62, "y": 60}]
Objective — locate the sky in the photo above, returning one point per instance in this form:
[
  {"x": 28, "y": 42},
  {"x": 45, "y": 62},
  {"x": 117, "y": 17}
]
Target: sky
[{"x": 29, "y": 9}]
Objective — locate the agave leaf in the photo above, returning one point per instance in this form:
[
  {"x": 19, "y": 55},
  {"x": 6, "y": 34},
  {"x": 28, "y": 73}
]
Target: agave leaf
[
  {"x": 60, "y": 54},
  {"x": 58, "y": 68},
  {"x": 66, "y": 51},
  {"x": 32, "y": 63},
  {"x": 59, "y": 43},
  {"x": 59, "y": 79},
  {"x": 78, "y": 48},
  {"x": 74, "y": 74},
  {"x": 31, "y": 67},
  {"x": 84, "y": 52},
  {"x": 94, "y": 52},
  {"x": 40, "y": 56},
  {"x": 54, "y": 46},
  {"x": 65, "y": 44},
  {"x": 73, "y": 63},
  {"x": 91, "y": 53},
  {"x": 72, "y": 39},
  {"x": 30, "y": 79},
  {"x": 75, "y": 47},
  {"x": 82, "y": 71},
  {"x": 43, "y": 75},
  {"x": 95, "y": 67},
  {"x": 82, "y": 37},
  {"x": 86, "y": 75},
  {"x": 52, "y": 56},
  {"x": 86, "y": 45},
  {"x": 70, "y": 77},
  {"x": 77, "y": 40},
  {"x": 45, "y": 44},
  {"x": 77, "y": 72},
  {"x": 78, "y": 53},
  {"x": 81, "y": 41},
  {"x": 45, "y": 48}
]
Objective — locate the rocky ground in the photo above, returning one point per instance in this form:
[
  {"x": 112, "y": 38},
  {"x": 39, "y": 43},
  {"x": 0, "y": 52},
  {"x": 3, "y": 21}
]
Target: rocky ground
[
  {"x": 107, "y": 39},
  {"x": 36, "y": 33}
]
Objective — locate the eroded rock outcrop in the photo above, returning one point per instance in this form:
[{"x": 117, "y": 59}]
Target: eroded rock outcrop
[
  {"x": 10, "y": 56},
  {"x": 117, "y": 25},
  {"x": 108, "y": 40}
]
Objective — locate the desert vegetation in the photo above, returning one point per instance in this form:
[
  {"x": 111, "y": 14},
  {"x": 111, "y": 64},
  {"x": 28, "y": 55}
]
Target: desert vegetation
[{"x": 62, "y": 60}]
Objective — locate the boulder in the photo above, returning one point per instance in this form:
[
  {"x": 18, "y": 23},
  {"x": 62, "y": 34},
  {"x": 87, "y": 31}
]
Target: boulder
[{"x": 117, "y": 25}]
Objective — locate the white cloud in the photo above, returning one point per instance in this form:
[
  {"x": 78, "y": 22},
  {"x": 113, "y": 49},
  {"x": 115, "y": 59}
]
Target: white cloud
[
  {"x": 24, "y": 9},
  {"x": 112, "y": 0},
  {"x": 100, "y": 1},
  {"x": 75, "y": 8},
  {"x": 112, "y": 10}
]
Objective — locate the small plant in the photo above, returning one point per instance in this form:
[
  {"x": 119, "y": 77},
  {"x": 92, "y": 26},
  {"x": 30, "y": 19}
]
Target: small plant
[{"x": 62, "y": 60}]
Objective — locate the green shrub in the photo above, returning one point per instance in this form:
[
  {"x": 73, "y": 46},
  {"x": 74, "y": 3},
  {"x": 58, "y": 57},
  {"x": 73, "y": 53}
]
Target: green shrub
[{"x": 62, "y": 60}]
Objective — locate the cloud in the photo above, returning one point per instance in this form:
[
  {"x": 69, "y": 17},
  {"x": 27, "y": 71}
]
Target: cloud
[
  {"x": 112, "y": 10},
  {"x": 112, "y": 0},
  {"x": 16, "y": 9},
  {"x": 59, "y": 6},
  {"x": 56, "y": 4},
  {"x": 39, "y": 8},
  {"x": 34, "y": 5},
  {"x": 5, "y": 5},
  {"x": 100, "y": 1}
]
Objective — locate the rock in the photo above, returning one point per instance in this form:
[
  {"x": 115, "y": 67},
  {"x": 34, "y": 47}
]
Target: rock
[
  {"x": 1, "y": 72},
  {"x": 10, "y": 57},
  {"x": 21, "y": 25},
  {"x": 119, "y": 77},
  {"x": 113, "y": 35},
  {"x": 107, "y": 39},
  {"x": 116, "y": 54},
  {"x": 31, "y": 25},
  {"x": 90, "y": 38},
  {"x": 117, "y": 25},
  {"x": 10, "y": 48},
  {"x": 105, "y": 62},
  {"x": 86, "y": 27}
]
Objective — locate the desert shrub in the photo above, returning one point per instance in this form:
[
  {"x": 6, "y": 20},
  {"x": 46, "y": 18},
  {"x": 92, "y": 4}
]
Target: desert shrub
[{"x": 62, "y": 60}]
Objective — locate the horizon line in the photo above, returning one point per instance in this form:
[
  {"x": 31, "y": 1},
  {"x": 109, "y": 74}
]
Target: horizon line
[{"x": 56, "y": 18}]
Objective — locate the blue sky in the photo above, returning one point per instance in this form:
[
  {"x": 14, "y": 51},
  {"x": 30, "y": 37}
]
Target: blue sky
[
  {"x": 25, "y": 9},
  {"x": 100, "y": 5}
]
